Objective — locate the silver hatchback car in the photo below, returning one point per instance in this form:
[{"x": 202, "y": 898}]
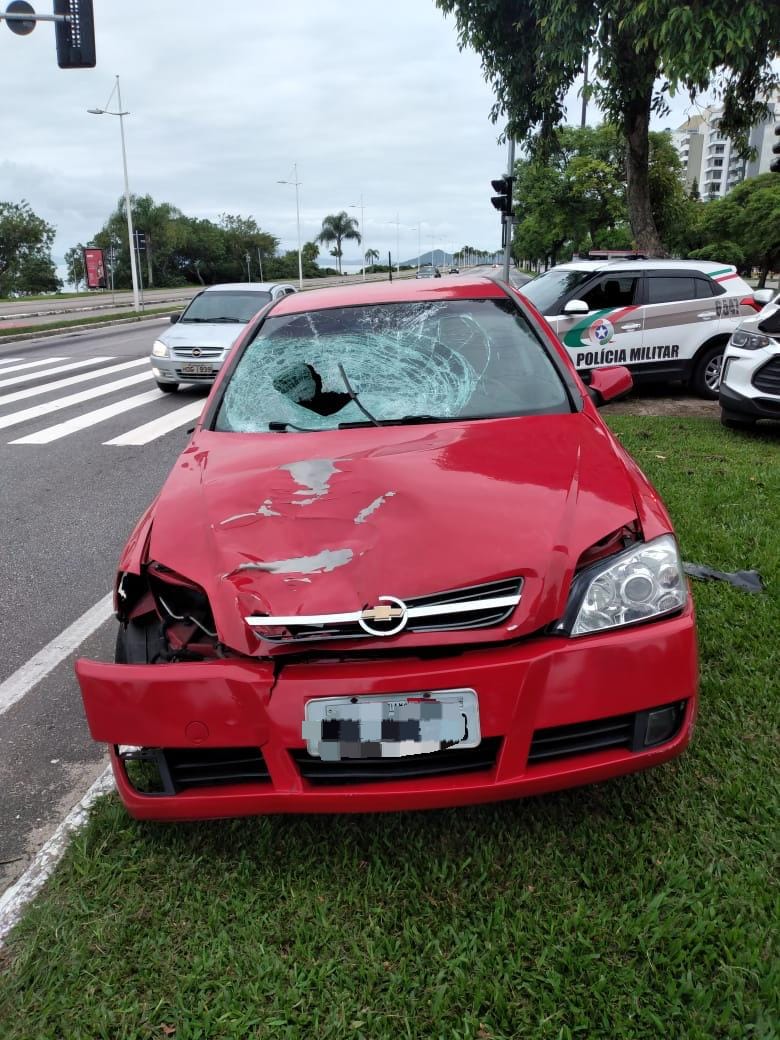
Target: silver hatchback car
[{"x": 193, "y": 350}]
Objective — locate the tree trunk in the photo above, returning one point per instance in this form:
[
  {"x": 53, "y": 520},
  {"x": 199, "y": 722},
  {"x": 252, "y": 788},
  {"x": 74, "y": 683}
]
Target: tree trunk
[
  {"x": 636, "y": 124},
  {"x": 763, "y": 274}
]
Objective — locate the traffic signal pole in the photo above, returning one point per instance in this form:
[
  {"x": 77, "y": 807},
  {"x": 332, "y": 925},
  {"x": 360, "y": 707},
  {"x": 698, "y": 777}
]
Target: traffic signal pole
[{"x": 507, "y": 217}]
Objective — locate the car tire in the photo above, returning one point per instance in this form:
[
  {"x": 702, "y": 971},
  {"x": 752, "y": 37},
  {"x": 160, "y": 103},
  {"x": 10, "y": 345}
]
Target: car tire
[
  {"x": 734, "y": 421},
  {"x": 167, "y": 388},
  {"x": 705, "y": 380},
  {"x": 140, "y": 641}
]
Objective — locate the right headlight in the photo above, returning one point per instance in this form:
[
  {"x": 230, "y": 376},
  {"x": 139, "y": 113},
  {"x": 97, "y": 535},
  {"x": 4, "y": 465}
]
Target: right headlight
[
  {"x": 645, "y": 582},
  {"x": 748, "y": 340},
  {"x": 159, "y": 349}
]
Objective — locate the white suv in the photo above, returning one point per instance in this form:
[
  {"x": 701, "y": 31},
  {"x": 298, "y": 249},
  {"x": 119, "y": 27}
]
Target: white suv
[
  {"x": 662, "y": 319},
  {"x": 750, "y": 382}
]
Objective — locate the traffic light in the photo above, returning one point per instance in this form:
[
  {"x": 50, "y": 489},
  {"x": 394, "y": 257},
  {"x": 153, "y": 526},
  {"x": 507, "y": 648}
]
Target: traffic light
[
  {"x": 775, "y": 165},
  {"x": 75, "y": 38},
  {"x": 503, "y": 199}
]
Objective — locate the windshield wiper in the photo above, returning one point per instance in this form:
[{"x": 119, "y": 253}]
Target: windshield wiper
[
  {"x": 354, "y": 396},
  {"x": 283, "y": 427},
  {"x": 405, "y": 420},
  {"x": 223, "y": 318}
]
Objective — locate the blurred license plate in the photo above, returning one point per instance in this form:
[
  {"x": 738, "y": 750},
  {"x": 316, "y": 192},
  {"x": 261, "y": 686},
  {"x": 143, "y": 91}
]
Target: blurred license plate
[
  {"x": 390, "y": 727},
  {"x": 197, "y": 370}
]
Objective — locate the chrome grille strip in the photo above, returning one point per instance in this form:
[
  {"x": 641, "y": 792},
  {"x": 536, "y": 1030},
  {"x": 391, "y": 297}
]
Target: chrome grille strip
[{"x": 412, "y": 612}]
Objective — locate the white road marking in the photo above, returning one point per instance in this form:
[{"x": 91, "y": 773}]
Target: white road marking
[
  {"x": 60, "y": 384},
  {"x": 9, "y": 360},
  {"x": 33, "y": 364},
  {"x": 14, "y": 418},
  {"x": 157, "y": 427},
  {"x": 15, "y": 898},
  {"x": 51, "y": 371},
  {"x": 38, "y": 667},
  {"x": 81, "y": 422}
]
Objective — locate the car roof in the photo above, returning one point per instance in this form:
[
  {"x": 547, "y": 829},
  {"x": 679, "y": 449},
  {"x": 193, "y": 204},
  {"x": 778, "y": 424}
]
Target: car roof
[
  {"x": 403, "y": 290},
  {"x": 246, "y": 286},
  {"x": 708, "y": 267}
]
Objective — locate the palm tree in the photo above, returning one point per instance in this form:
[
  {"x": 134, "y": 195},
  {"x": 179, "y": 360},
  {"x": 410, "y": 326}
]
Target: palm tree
[
  {"x": 335, "y": 228},
  {"x": 372, "y": 256}
]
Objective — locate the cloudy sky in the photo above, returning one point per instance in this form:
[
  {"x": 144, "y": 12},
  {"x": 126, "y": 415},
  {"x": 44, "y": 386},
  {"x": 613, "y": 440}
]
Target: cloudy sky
[{"x": 368, "y": 97}]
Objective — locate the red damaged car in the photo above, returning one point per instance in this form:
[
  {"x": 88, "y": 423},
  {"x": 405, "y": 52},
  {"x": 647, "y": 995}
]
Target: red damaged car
[{"x": 401, "y": 564}]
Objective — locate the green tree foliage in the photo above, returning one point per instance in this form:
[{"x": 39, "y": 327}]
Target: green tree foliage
[
  {"x": 338, "y": 227},
  {"x": 722, "y": 253},
  {"x": 74, "y": 261},
  {"x": 749, "y": 218},
  {"x": 645, "y": 50},
  {"x": 26, "y": 266},
  {"x": 571, "y": 197}
]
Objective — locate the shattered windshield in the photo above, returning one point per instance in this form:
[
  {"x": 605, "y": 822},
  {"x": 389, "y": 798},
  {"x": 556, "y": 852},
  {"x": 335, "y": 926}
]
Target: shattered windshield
[
  {"x": 403, "y": 362},
  {"x": 226, "y": 306}
]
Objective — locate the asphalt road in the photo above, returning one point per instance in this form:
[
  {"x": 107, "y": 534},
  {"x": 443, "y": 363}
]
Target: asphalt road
[{"x": 66, "y": 508}]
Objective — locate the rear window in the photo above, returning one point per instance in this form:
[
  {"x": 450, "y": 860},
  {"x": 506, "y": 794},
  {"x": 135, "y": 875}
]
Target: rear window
[
  {"x": 225, "y": 306},
  {"x": 406, "y": 362}
]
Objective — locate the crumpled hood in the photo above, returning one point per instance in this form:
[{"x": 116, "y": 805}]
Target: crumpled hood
[
  {"x": 202, "y": 334},
  {"x": 314, "y": 523}
]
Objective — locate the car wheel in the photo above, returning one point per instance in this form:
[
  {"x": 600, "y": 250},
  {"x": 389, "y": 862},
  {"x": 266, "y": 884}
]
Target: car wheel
[
  {"x": 734, "y": 421},
  {"x": 168, "y": 388},
  {"x": 140, "y": 641},
  {"x": 705, "y": 380}
]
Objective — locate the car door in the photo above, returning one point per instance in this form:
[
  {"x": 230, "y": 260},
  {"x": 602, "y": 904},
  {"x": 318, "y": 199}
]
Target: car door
[
  {"x": 678, "y": 319},
  {"x": 611, "y": 331}
]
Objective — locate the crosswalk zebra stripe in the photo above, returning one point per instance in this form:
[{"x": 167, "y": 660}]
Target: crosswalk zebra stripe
[
  {"x": 32, "y": 364},
  {"x": 81, "y": 422},
  {"x": 60, "y": 384},
  {"x": 14, "y": 418},
  {"x": 50, "y": 371},
  {"x": 9, "y": 360},
  {"x": 157, "y": 427}
]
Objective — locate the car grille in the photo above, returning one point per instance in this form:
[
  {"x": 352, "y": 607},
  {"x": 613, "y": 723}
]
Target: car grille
[
  {"x": 616, "y": 731},
  {"x": 410, "y": 767},
  {"x": 767, "y": 378},
  {"x": 204, "y": 353},
  {"x": 474, "y": 610},
  {"x": 192, "y": 377},
  {"x": 173, "y": 770}
]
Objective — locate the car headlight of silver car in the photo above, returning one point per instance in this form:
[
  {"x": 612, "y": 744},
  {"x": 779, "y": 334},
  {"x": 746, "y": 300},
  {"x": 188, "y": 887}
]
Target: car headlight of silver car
[
  {"x": 642, "y": 583},
  {"x": 159, "y": 349},
  {"x": 748, "y": 340}
]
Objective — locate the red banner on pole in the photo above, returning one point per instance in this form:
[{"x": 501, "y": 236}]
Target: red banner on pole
[{"x": 95, "y": 266}]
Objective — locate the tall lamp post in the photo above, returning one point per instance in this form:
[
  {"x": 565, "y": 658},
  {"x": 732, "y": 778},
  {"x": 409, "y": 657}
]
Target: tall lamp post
[
  {"x": 130, "y": 241},
  {"x": 297, "y": 184},
  {"x": 356, "y": 205}
]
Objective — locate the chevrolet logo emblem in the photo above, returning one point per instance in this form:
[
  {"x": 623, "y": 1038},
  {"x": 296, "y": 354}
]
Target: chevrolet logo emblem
[
  {"x": 381, "y": 613},
  {"x": 389, "y": 611}
]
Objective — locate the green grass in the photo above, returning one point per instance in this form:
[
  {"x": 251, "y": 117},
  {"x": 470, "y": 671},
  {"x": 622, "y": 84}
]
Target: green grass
[
  {"x": 20, "y": 330},
  {"x": 641, "y": 908}
]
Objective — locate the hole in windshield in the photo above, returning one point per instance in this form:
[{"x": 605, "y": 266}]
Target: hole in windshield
[{"x": 404, "y": 362}]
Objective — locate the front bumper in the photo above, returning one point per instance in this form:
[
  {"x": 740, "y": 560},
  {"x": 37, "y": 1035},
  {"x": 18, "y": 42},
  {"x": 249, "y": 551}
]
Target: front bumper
[
  {"x": 170, "y": 370},
  {"x": 541, "y": 684},
  {"x": 756, "y": 407}
]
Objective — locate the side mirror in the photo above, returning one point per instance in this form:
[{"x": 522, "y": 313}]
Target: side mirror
[
  {"x": 175, "y": 318},
  {"x": 609, "y": 383},
  {"x": 763, "y": 296},
  {"x": 576, "y": 307}
]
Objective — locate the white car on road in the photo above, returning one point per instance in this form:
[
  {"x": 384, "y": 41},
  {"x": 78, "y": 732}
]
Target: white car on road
[
  {"x": 192, "y": 351},
  {"x": 750, "y": 381},
  {"x": 662, "y": 319}
]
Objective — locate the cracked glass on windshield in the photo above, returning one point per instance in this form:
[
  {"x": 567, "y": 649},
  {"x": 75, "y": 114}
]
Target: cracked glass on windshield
[
  {"x": 226, "y": 306},
  {"x": 446, "y": 360}
]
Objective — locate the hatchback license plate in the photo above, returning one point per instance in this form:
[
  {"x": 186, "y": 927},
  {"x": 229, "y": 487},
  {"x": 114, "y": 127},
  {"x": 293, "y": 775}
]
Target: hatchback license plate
[
  {"x": 391, "y": 727},
  {"x": 197, "y": 370}
]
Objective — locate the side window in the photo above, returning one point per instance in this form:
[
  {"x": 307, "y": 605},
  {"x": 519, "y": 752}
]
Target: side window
[
  {"x": 289, "y": 291},
  {"x": 662, "y": 289},
  {"x": 612, "y": 291},
  {"x": 704, "y": 289}
]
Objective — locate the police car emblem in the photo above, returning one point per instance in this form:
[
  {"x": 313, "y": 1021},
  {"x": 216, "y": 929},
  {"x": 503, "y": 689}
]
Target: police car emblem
[{"x": 601, "y": 332}]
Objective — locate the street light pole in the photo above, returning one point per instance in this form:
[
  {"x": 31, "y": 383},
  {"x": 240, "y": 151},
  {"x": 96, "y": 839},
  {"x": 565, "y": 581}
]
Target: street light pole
[
  {"x": 297, "y": 184},
  {"x": 355, "y": 205},
  {"x": 130, "y": 239}
]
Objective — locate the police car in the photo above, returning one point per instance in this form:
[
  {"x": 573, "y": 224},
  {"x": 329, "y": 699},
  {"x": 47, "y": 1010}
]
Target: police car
[
  {"x": 662, "y": 319},
  {"x": 750, "y": 383}
]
